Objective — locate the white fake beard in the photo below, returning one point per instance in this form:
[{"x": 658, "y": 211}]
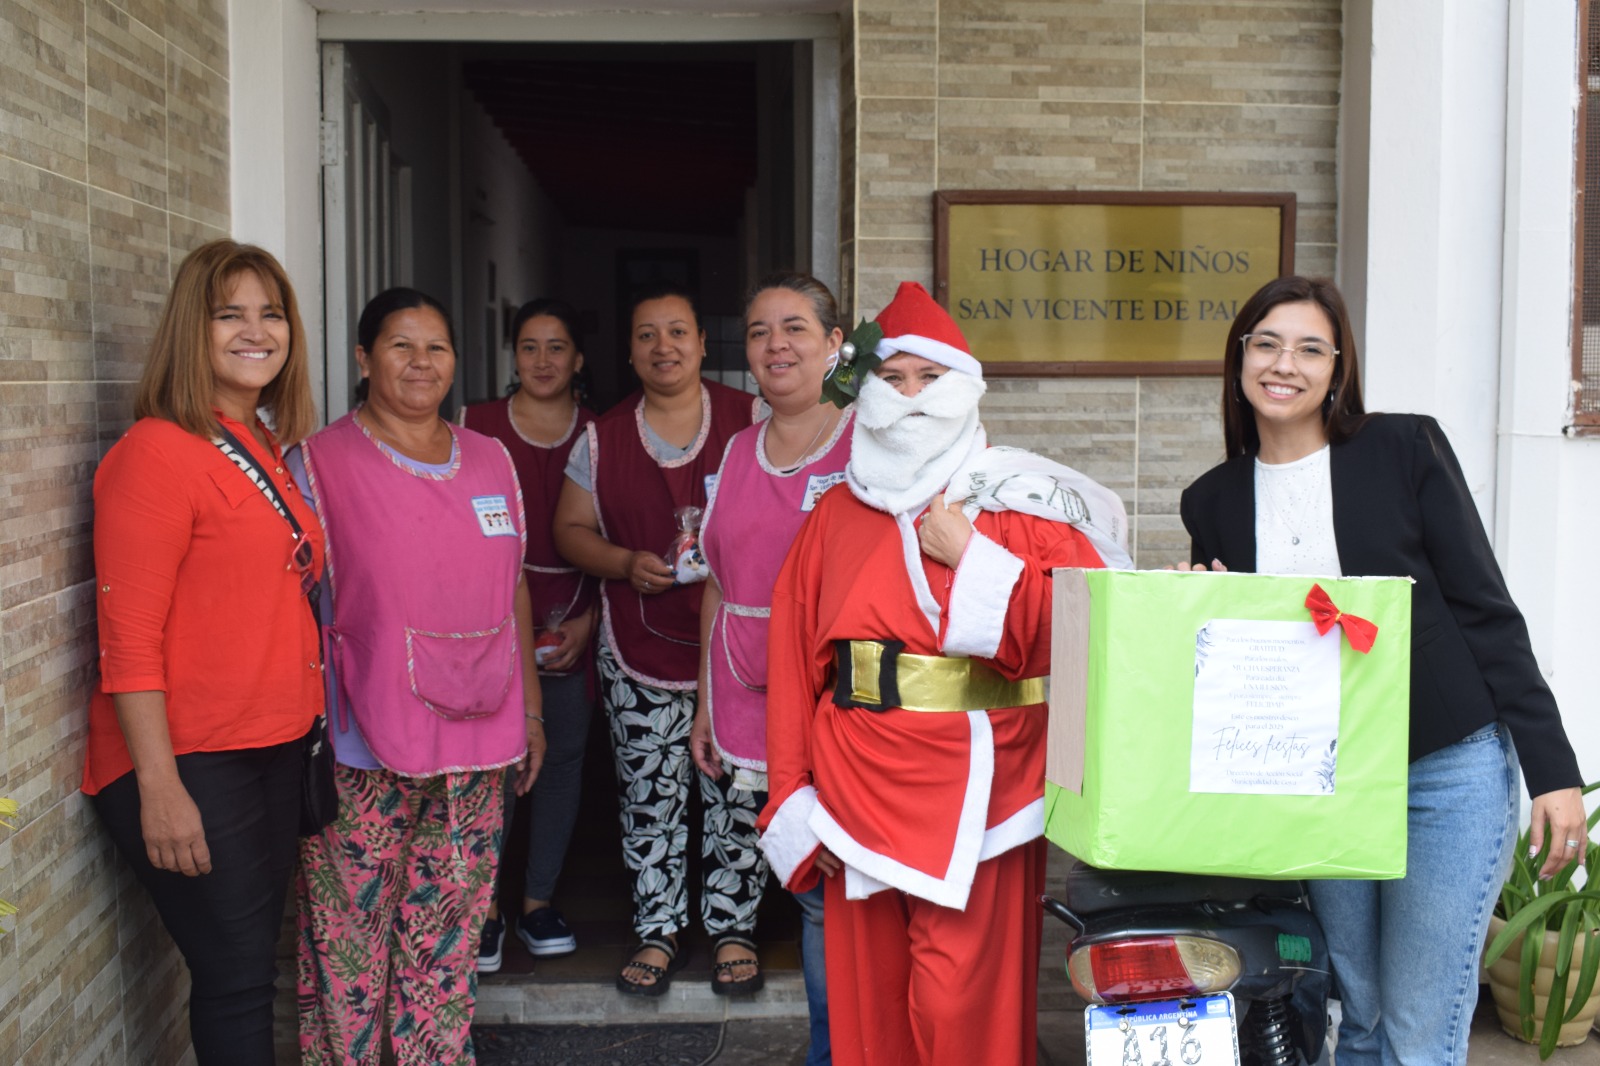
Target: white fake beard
[{"x": 904, "y": 449}]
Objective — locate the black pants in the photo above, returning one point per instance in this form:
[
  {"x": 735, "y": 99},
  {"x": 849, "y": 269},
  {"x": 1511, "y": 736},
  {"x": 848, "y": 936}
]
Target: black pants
[{"x": 225, "y": 922}]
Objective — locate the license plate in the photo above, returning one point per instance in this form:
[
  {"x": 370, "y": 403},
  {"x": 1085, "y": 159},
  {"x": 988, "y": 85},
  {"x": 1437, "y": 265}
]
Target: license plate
[{"x": 1199, "y": 1031}]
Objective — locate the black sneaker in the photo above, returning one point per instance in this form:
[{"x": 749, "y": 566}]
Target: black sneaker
[
  {"x": 546, "y": 933},
  {"x": 490, "y": 945}
]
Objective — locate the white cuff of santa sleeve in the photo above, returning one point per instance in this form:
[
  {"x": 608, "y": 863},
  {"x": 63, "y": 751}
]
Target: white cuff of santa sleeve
[
  {"x": 985, "y": 578},
  {"x": 789, "y": 841}
]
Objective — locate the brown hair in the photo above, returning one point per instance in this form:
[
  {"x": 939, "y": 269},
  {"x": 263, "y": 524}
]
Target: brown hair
[
  {"x": 178, "y": 381},
  {"x": 1342, "y": 410}
]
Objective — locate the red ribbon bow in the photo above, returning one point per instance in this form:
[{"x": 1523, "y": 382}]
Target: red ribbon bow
[{"x": 1358, "y": 631}]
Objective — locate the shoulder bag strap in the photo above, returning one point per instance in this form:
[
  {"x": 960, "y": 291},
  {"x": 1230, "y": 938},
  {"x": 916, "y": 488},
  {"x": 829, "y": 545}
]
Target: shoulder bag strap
[{"x": 230, "y": 446}]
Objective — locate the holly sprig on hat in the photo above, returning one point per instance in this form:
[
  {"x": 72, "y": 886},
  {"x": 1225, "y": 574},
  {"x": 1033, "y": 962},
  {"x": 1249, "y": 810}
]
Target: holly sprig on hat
[{"x": 858, "y": 357}]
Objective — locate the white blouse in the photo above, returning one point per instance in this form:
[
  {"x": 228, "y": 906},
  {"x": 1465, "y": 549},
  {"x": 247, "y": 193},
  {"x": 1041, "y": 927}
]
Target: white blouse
[{"x": 1294, "y": 517}]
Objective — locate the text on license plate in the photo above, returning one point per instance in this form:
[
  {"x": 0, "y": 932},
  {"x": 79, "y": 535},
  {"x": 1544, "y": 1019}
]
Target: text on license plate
[{"x": 1199, "y": 1031}]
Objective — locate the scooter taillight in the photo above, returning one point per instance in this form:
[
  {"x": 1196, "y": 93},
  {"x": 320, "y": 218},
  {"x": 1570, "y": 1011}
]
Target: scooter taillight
[{"x": 1157, "y": 967}]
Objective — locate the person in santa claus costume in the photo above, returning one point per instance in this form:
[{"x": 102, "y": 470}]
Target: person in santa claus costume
[{"x": 910, "y": 640}]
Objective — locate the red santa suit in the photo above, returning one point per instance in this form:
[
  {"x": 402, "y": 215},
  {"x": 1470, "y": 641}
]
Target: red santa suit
[
  {"x": 916, "y": 801},
  {"x": 933, "y": 925}
]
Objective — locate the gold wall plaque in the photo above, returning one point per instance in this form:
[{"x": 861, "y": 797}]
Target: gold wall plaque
[{"x": 1105, "y": 283}]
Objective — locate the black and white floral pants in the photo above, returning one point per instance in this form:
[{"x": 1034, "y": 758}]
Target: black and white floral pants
[{"x": 650, "y": 742}]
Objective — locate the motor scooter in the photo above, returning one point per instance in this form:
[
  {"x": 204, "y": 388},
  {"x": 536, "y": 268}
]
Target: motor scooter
[{"x": 1203, "y": 970}]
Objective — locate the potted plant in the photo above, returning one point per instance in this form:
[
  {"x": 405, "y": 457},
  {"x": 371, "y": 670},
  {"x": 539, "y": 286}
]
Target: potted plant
[{"x": 1557, "y": 982}]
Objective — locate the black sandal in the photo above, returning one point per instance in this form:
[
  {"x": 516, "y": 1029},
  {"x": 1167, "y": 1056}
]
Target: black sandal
[
  {"x": 742, "y": 986},
  {"x": 662, "y": 975}
]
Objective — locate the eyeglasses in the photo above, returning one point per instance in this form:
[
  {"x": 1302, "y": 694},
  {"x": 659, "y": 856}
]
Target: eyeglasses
[
  {"x": 300, "y": 560},
  {"x": 1265, "y": 346}
]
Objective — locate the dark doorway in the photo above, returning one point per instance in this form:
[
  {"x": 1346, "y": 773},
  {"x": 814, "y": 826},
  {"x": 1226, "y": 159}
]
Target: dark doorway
[
  {"x": 586, "y": 172},
  {"x": 526, "y": 170},
  {"x": 663, "y": 163}
]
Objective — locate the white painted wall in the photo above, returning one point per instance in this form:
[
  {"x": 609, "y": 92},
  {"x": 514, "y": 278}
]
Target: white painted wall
[
  {"x": 1457, "y": 225},
  {"x": 510, "y": 221},
  {"x": 1435, "y": 180},
  {"x": 1548, "y": 500},
  {"x": 275, "y": 174}
]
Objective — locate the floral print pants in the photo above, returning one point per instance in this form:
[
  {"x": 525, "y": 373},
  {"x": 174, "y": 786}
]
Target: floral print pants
[
  {"x": 650, "y": 741},
  {"x": 391, "y": 900}
]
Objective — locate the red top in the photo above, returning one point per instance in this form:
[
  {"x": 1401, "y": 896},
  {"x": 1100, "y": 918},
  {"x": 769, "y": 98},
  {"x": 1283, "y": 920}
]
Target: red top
[{"x": 197, "y": 597}]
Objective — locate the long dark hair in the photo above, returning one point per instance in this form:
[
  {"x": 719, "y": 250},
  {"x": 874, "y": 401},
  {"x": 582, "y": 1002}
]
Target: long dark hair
[
  {"x": 545, "y": 307},
  {"x": 1342, "y": 410},
  {"x": 377, "y": 312}
]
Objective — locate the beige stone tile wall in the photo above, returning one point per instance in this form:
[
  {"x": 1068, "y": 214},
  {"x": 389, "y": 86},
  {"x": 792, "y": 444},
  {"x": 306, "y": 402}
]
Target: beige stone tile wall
[
  {"x": 1228, "y": 95},
  {"x": 113, "y": 164}
]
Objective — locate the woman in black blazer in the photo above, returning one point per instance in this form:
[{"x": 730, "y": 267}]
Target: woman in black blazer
[{"x": 1314, "y": 485}]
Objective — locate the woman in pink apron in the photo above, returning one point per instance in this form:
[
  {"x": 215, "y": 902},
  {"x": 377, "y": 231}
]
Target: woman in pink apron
[
  {"x": 436, "y": 693},
  {"x": 771, "y": 478}
]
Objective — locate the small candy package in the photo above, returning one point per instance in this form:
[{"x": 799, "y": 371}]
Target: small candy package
[
  {"x": 688, "y": 562},
  {"x": 549, "y": 638}
]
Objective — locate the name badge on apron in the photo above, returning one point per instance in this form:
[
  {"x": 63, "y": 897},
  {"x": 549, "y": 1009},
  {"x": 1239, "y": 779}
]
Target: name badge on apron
[
  {"x": 816, "y": 485},
  {"x": 494, "y": 517}
]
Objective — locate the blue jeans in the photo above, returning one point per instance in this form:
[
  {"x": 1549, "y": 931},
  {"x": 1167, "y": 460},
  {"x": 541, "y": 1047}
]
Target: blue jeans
[
  {"x": 1405, "y": 953},
  {"x": 815, "y": 970}
]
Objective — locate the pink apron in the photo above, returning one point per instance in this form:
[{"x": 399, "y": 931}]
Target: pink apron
[
  {"x": 424, "y": 573},
  {"x": 754, "y": 515}
]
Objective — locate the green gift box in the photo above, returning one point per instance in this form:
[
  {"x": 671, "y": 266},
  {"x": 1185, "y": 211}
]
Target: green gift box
[{"x": 1200, "y": 723}]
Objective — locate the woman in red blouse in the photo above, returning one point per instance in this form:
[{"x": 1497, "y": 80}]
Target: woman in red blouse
[{"x": 210, "y": 665}]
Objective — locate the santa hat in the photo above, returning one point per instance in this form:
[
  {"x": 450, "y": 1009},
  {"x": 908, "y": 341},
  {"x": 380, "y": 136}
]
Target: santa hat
[{"x": 914, "y": 323}]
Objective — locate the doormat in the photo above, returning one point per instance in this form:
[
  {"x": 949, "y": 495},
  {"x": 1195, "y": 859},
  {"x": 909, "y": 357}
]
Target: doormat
[{"x": 679, "y": 1044}]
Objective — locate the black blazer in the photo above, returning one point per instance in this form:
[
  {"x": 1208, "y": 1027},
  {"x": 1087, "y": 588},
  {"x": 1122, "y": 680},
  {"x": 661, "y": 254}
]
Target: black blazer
[{"x": 1401, "y": 508}]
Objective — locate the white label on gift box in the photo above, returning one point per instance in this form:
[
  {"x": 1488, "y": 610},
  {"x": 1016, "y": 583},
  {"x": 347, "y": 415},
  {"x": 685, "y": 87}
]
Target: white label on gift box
[{"x": 1266, "y": 708}]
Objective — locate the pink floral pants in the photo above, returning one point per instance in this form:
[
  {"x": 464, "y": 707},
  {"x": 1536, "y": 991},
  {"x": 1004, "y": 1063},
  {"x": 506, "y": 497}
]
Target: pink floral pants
[{"x": 392, "y": 898}]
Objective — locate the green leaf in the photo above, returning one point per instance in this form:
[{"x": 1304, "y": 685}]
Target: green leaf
[
  {"x": 1537, "y": 910},
  {"x": 1563, "y": 877},
  {"x": 363, "y": 1040},
  {"x": 1518, "y": 923},
  {"x": 843, "y": 383},
  {"x": 423, "y": 895},
  {"x": 454, "y": 1012},
  {"x": 1552, "y": 1015},
  {"x": 1566, "y": 938},
  {"x": 1590, "y": 965},
  {"x": 325, "y": 886},
  {"x": 367, "y": 897},
  {"x": 1530, "y": 970},
  {"x": 348, "y": 960},
  {"x": 447, "y": 942}
]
